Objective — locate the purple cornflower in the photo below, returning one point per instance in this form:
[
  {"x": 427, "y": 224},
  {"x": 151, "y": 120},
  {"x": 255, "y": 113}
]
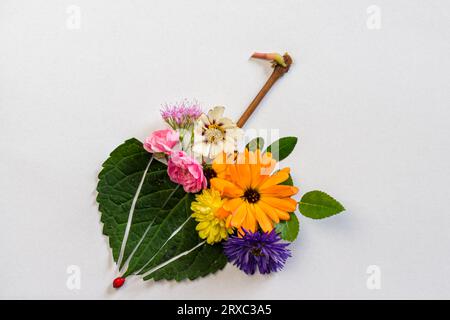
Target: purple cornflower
[
  {"x": 182, "y": 114},
  {"x": 259, "y": 250}
]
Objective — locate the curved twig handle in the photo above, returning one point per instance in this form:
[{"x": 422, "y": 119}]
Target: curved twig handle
[{"x": 278, "y": 71}]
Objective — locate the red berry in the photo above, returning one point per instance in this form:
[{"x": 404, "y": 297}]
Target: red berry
[{"x": 118, "y": 282}]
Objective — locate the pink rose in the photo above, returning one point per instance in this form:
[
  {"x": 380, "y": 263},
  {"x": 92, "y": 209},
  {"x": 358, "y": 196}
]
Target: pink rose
[
  {"x": 184, "y": 170},
  {"x": 161, "y": 141}
]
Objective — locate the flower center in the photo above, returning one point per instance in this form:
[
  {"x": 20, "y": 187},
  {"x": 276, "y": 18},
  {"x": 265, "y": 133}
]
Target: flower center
[
  {"x": 209, "y": 173},
  {"x": 214, "y": 133},
  {"x": 257, "y": 252},
  {"x": 251, "y": 195}
]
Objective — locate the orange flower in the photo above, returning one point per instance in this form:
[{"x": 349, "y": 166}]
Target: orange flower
[
  {"x": 218, "y": 169},
  {"x": 252, "y": 195}
]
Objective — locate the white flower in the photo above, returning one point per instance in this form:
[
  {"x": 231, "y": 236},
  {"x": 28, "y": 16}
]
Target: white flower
[{"x": 213, "y": 134}]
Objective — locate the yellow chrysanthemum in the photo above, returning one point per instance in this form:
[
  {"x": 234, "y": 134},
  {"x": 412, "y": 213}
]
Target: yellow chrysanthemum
[
  {"x": 252, "y": 194},
  {"x": 209, "y": 214}
]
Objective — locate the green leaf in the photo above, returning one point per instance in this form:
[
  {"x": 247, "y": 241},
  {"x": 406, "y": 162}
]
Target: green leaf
[
  {"x": 288, "y": 182},
  {"x": 288, "y": 230},
  {"x": 147, "y": 219},
  {"x": 257, "y": 143},
  {"x": 281, "y": 148},
  {"x": 318, "y": 205}
]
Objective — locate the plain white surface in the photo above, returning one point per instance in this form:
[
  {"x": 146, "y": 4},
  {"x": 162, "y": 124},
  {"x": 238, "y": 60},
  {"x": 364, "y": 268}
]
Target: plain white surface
[{"x": 370, "y": 107}]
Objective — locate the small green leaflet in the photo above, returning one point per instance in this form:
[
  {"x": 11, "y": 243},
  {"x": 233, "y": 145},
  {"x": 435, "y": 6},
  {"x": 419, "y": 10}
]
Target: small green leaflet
[
  {"x": 288, "y": 230},
  {"x": 288, "y": 182},
  {"x": 257, "y": 143},
  {"x": 147, "y": 219},
  {"x": 283, "y": 147},
  {"x": 318, "y": 205}
]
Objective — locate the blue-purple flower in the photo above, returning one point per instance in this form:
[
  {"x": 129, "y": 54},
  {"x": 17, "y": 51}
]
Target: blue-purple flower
[{"x": 259, "y": 250}]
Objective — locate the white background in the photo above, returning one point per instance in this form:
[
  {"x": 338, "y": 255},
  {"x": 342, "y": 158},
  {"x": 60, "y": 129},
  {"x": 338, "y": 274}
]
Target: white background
[{"x": 370, "y": 108}]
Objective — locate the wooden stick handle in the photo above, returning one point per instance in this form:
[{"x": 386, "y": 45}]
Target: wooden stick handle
[{"x": 277, "y": 73}]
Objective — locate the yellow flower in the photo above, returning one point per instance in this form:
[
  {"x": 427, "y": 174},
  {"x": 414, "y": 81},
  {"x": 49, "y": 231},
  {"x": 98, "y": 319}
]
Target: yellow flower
[
  {"x": 252, "y": 196},
  {"x": 209, "y": 214}
]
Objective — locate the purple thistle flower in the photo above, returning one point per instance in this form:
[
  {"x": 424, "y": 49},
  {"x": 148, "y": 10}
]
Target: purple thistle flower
[
  {"x": 259, "y": 250},
  {"x": 182, "y": 114}
]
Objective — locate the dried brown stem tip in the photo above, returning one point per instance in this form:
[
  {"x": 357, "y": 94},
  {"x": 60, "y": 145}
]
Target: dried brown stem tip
[{"x": 281, "y": 66}]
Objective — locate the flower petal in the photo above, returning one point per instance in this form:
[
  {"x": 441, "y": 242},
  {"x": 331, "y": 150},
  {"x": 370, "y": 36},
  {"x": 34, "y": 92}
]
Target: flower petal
[
  {"x": 232, "y": 204},
  {"x": 277, "y": 178},
  {"x": 221, "y": 213},
  {"x": 215, "y": 149},
  {"x": 269, "y": 210},
  {"x": 235, "y": 177},
  {"x": 280, "y": 191},
  {"x": 284, "y": 204},
  {"x": 244, "y": 174},
  {"x": 232, "y": 192},
  {"x": 216, "y": 113},
  {"x": 250, "y": 221},
  {"x": 221, "y": 184},
  {"x": 264, "y": 222},
  {"x": 239, "y": 216},
  {"x": 203, "y": 120}
]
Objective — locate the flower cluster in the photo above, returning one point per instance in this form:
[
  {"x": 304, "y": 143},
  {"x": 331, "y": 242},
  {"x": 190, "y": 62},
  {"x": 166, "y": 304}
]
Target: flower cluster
[
  {"x": 182, "y": 114},
  {"x": 207, "y": 210},
  {"x": 254, "y": 198},
  {"x": 237, "y": 204},
  {"x": 239, "y": 198},
  {"x": 257, "y": 250},
  {"x": 215, "y": 134},
  {"x": 185, "y": 170}
]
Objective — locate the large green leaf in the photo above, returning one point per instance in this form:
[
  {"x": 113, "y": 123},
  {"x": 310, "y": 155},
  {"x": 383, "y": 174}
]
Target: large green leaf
[
  {"x": 319, "y": 205},
  {"x": 289, "y": 229},
  {"x": 147, "y": 219},
  {"x": 281, "y": 148}
]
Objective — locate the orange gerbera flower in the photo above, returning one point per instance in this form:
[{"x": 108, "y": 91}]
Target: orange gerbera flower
[{"x": 252, "y": 195}]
